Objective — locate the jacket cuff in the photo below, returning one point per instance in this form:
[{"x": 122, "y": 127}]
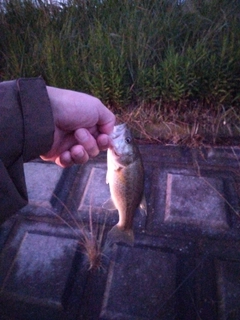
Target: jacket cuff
[{"x": 37, "y": 114}]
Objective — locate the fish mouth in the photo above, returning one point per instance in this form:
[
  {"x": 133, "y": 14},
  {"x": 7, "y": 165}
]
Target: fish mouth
[{"x": 118, "y": 131}]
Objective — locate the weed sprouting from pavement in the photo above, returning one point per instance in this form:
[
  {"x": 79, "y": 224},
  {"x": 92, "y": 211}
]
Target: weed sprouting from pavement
[
  {"x": 90, "y": 237},
  {"x": 92, "y": 243}
]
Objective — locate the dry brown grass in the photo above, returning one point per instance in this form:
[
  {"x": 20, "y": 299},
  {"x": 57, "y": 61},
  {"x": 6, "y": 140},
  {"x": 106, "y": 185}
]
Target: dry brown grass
[{"x": 186, "y": 124}]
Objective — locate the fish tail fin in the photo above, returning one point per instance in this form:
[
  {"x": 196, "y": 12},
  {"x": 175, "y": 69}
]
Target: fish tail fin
[{"x": 117, "y": 235}]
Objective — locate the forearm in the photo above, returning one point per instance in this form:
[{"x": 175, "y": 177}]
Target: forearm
[
  {"x": 26, "y": 121},
  {"x": 26, "y": 131}
]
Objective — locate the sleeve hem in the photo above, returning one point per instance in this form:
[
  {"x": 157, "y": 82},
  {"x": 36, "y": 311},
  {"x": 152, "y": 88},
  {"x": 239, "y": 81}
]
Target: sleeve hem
[{"x": 37, "y": 114}]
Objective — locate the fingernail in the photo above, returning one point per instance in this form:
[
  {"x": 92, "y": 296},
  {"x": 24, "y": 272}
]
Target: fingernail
[{"x": 105, "y": 142}]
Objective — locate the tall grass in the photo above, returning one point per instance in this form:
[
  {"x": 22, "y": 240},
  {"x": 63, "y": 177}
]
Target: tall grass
[{"x": 127, "y": 52}]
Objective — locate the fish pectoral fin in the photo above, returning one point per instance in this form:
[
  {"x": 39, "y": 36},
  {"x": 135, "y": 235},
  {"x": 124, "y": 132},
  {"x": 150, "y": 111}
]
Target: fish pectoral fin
[
  {"x": 143, "y": 206},
  {"x": 109, "y": 205},
  {"x": 118, "y": 167},
  {"x": 118, "y": 235}
]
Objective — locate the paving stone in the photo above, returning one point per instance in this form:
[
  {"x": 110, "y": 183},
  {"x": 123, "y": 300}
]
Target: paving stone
[
  {"x": 39, "y": 271},
  {"x": 204, "y": 297},
  {"x": 87, "y": 196},
  {"x": 4, "y": 231},
  {"x": 96, "y": 190},
  {"x": 195, "y": 200},
  {"x": 32, "y": 270},
  {"x": 140, "y": 283},
  {"x": 41, "y": 180},
  {"x": 181, "y": 196},
  {"x": 229, "y": 289}
]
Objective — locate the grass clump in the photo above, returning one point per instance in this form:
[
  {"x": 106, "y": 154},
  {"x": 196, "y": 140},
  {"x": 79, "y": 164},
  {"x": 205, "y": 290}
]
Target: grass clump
[{"x": 172, "y": 61}]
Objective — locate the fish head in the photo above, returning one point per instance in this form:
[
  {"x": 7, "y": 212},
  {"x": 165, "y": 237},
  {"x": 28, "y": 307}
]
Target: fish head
[{"x": 123, "y": 150}]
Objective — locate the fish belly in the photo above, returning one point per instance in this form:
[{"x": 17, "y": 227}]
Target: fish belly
[{"x": 126, "y": 187}]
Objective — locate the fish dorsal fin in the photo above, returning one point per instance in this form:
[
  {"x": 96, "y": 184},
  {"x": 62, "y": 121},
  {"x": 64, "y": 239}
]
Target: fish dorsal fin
[
  {"x": 143, "y": 206},
  {"x": 109, "y": 205}
]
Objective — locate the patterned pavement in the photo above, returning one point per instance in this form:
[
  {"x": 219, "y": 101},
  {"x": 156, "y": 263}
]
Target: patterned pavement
[{"x": 185, "y": 262}]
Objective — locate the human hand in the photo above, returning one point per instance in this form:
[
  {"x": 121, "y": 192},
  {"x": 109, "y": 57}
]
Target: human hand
[{"x": 82, "y": 127}]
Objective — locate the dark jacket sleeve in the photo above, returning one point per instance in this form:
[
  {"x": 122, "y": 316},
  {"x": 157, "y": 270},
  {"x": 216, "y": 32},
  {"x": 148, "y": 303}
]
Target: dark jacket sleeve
[{"x": 26, "y": 131}]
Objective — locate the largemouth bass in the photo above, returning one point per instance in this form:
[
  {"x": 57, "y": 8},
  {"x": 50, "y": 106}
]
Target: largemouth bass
[{"x": 125, "y": 176}]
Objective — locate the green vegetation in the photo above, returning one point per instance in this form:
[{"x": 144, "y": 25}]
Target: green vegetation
[{"x": 155, "y": 63}]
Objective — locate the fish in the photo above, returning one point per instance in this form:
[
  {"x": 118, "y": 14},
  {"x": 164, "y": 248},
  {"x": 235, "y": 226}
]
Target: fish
[{"x": 125, "y": 176}]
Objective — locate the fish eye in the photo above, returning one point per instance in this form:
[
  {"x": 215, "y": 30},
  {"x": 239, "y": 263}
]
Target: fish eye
[{"x": 128, "y": 139}]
